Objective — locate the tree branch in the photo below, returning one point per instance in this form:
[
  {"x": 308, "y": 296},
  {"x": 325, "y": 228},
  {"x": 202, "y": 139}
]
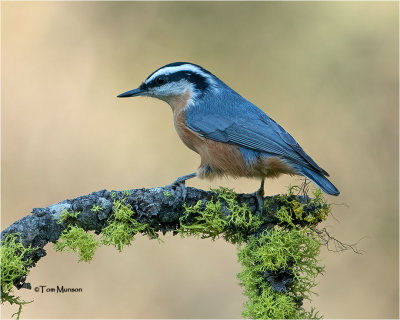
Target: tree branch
[
  {"x": 160, "y": 207},
  {"x": 283, "y": 252}
]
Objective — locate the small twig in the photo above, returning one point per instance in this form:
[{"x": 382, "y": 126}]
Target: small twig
[{"x": 339, "y": 246}]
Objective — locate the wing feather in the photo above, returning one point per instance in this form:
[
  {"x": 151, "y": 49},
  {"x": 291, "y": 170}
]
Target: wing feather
[{"x": 242, "y": 123}]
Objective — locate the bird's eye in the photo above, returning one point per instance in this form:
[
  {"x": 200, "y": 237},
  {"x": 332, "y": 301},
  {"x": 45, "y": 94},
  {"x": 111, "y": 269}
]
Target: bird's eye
[{"x": 160, "y": 80}]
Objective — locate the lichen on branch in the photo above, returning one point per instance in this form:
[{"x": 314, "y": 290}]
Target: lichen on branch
[
  {"x": 122, "y": 226},
  {"x": 75, "y": 239},
  {"x": 15, "y": 264},
  {"x": 278, "y": 248},
  {"x": 280, "y": 259}
]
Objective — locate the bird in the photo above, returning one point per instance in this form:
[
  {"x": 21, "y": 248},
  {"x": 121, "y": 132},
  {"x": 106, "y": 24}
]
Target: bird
[{"x": 232, "y": 135}]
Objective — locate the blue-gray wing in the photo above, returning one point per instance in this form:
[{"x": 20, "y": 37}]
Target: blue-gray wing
[{"x": 243, "y": 124}]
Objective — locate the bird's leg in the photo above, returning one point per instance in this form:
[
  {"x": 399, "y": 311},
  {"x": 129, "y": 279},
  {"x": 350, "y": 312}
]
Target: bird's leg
[
  {"x": 179, "y": 184},
  {"x": 260, "y": 197},
  {"x": 181, "y": 180}
]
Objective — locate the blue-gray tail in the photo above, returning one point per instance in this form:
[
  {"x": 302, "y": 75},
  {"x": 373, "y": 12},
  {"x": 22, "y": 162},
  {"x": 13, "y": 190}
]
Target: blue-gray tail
[{"x": 320, "y": 181}]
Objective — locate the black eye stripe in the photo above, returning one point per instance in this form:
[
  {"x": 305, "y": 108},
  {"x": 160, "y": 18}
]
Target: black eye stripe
[{"x": 160, "y": 80}]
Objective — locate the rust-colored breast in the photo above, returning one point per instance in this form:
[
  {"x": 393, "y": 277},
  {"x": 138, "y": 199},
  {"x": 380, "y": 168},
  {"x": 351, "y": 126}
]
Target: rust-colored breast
[
  {"x": 190, "y": 138},
  {"x": 221, "y": 158}
]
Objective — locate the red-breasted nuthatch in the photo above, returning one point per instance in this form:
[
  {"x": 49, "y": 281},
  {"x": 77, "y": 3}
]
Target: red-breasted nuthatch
[{"x": 232, "y": 136}]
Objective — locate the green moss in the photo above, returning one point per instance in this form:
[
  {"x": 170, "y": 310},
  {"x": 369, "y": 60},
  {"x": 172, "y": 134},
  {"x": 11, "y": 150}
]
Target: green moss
[
  {"x": 67, "y": 216},
  {"x": 15, "y": 264},
  {"x": 311, "y": 212},
  {"x": 265, "y": 303},
  {"x": 75, "y": 239},
  {"x": 208, "y": 221},
  {"x": 284, "y": 216},
  {"x": 280, "y": 263},
  {"x": 167, "y": 194},
  {"x": 96, "y": 208},
  {"x": 290, "y": 248},
  {"x": 319, "y": 208},
  {"x": 120, "y": 231},
  {"x": 122, "y": 227},
  {"x": 281, "y": 248}
]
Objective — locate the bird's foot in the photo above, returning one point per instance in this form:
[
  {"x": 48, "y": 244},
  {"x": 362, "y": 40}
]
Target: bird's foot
[{"x": 179, "y": 188}]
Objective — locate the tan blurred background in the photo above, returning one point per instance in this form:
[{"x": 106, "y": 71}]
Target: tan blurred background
[{"x": 327, "y": 72}]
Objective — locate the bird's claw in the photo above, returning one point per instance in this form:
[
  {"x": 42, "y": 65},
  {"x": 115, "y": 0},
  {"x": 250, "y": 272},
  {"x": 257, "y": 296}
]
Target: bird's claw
[
  {"x": 179, "y": 185},
  {"x": 179, "y": 188}
]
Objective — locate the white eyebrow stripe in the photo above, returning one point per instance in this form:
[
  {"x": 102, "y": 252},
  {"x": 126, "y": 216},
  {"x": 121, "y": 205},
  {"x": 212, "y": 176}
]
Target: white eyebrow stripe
[{"x": 169, "y": 70}]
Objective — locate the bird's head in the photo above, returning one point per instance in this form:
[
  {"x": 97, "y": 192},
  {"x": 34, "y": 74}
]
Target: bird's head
[{"x": 176, "y": 80}]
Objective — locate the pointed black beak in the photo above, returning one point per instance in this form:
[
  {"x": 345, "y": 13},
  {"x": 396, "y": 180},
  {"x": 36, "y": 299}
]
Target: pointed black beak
[{"x": 131, "y": 93}]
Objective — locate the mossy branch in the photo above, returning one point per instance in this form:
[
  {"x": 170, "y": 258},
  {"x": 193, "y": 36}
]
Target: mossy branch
[{"x": 278, "y": 248}]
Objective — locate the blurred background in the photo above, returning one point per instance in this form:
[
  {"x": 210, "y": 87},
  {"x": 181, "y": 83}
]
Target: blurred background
[{"x": 327, "y": 72}]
